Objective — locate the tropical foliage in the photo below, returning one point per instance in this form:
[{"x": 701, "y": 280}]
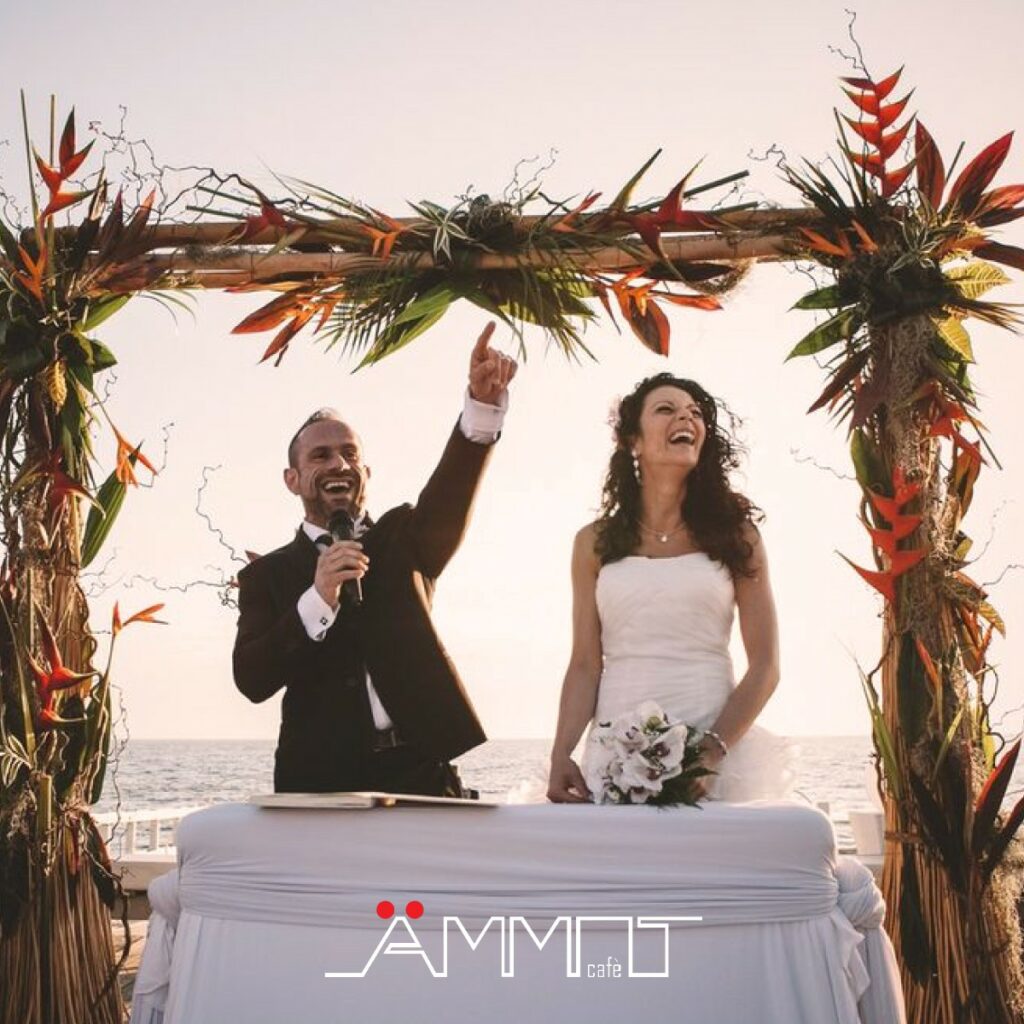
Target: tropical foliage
[
  {"x": 56, "y": 884},
  {"x": 522, "y": 268},
  {"x": 909, "y": 260}
]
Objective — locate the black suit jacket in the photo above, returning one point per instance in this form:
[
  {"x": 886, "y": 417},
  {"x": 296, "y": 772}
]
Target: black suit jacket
[{"x": 326, "y": 723}]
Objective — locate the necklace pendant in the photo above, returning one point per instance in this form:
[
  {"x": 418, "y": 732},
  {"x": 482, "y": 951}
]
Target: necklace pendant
[{"x": 663, "y": 537}]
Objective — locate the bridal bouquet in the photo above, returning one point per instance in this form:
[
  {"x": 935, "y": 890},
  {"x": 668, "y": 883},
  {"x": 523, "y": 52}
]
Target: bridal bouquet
[{"x": 645, "y": 758}]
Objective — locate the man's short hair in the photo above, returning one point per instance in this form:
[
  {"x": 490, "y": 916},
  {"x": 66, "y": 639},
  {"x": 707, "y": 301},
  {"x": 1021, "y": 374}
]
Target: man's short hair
[{"x": 313, "y": 417}]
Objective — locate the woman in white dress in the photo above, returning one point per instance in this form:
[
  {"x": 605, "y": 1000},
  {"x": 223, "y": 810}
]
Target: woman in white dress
[{"x": 656, "y": 580}]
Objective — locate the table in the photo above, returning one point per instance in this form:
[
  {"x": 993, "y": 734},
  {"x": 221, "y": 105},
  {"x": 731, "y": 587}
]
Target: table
[{"x": 523, "y": 914}]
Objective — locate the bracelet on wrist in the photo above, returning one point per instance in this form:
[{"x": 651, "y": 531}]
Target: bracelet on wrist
[{"x": 717, "y": 740}]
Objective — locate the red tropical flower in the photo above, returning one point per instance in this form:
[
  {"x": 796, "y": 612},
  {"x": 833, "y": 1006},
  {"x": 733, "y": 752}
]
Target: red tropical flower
[{"x": 55, "y": 677}]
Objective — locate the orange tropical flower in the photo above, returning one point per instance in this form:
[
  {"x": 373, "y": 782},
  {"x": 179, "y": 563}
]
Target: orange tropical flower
[
  {"x": 146, "y": 615},
  {"x": 383, "y": 241},
  {"x": 125, "y": 471},
  {"x": 886, "y": 538},
  {"x": 822, "y": 244},
  {"x": 32, "y": 276}
]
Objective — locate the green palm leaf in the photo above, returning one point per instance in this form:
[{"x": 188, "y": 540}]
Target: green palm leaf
[{"x": 839, "y": 328}]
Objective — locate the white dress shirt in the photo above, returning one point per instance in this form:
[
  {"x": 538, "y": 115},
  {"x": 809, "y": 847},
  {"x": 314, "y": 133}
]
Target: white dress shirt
[{"x": 479, "y": 423}]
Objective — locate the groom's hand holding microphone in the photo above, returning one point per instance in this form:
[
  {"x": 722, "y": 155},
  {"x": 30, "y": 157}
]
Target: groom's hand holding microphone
[{"x": 341, "y": 562}]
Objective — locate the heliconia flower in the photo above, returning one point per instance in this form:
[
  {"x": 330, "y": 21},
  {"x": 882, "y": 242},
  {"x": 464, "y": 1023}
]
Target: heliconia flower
[
  {"x": 76, "y": 160},
  {"x": 885, "y": 582},
  {"x": 51, "y": 176},
  {"x": 146, "y": 615},
  {"x": 902, "y": 493},
  {"x": 32, "y": 276},
  {"x": 62, "y": 200},
  {"x": 69, "y": 160},
  {"x": 904, "y": 560},
  {"x": 55, "y": 178},
  {"x": 893, "y": 180},
  {"x": 870, "y": 162},
  {"x": 669, "y": 215},
  {"x": 875, "y": 118},
  {"x": 886, "y": 540},
  {"x": 878, "y": 89},
  {"x": 269, "y": 217},
  {"x": 889, "y": 112}
]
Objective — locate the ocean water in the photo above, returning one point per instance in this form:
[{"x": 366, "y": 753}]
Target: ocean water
[{"x": 152, "y": 774}]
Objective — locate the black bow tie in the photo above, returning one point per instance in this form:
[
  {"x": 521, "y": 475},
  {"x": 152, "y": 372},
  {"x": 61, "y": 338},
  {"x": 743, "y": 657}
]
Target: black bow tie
[{"x": 326, "y": 539}]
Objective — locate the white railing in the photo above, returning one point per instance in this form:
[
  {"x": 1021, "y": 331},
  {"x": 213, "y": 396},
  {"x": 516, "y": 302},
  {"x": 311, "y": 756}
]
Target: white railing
[{"x": 145, "y": 831}]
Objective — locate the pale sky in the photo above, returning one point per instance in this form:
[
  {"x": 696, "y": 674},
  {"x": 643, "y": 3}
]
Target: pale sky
[{"x": 397, "y": 100}]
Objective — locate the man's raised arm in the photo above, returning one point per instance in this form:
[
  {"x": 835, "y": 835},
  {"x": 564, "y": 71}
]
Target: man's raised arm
[{"x": 443, "y": 508}]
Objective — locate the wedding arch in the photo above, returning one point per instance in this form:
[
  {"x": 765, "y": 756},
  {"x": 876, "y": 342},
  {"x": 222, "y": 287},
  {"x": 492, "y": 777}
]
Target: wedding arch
[{"x": 906, "y": 252}]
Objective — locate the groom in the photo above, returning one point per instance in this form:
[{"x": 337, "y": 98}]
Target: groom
[{"x": 371, "y": 698}]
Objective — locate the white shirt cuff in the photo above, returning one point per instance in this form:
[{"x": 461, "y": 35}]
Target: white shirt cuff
[
  {"x": 316, "y": 614},
  {"x": 480, "y": 422}
]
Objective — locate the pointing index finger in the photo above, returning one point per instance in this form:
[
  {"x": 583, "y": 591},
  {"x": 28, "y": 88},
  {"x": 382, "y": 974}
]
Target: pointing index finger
[{"x": 480, "y": 348}]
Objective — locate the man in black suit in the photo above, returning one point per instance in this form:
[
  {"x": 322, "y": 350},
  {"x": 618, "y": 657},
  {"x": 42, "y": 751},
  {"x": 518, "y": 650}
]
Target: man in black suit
[{"x": 372, "y": 700}]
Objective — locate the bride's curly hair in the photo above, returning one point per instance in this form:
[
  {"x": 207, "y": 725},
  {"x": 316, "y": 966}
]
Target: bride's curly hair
[{"x": 714, "y": 512}]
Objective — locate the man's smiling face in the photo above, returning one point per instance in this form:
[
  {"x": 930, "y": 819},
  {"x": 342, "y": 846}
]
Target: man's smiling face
[{"x": 327, "y": 471}]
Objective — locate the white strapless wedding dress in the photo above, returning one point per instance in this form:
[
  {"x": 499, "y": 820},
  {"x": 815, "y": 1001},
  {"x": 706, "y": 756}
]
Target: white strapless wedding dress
[{"x": 665, "y": 629}]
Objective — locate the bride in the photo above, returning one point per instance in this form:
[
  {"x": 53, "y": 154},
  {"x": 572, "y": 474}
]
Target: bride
[{"x": 655, "y": 581}]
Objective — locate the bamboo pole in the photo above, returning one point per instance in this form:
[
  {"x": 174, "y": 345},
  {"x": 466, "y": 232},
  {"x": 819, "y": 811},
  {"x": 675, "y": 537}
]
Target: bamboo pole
[
  {"x": 213, "y": 269},
  {"x": 327, "y": 231}
]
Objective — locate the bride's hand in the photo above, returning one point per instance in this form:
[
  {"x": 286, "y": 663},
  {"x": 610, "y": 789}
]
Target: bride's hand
[
  {"x": 565, "y": 783},
  {"x": 711, "y": 758}
]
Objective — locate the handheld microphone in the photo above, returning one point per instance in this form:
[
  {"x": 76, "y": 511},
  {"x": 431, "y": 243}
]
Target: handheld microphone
[{"x": 342, "y": 527}]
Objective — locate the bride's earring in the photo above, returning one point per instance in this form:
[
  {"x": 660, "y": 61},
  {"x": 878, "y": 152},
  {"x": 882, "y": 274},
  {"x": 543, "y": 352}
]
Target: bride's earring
[{"x": 636, "y": 468}]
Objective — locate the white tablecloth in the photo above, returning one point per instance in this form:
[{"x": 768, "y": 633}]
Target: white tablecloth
[{"x": 267, "y": 907}]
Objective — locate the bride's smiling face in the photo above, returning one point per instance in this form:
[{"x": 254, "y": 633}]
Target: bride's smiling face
[{"x": 672, "y": 430}]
